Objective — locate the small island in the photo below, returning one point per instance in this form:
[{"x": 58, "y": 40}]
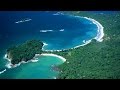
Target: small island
[
  {"x": 96, "y": 60},
  {"x": 24, "y": 52}
]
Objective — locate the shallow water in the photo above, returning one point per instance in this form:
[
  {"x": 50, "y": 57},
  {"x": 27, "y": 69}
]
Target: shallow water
[
  {"x": 75, "y": 30},
  {"x": 34, "y": 70}
]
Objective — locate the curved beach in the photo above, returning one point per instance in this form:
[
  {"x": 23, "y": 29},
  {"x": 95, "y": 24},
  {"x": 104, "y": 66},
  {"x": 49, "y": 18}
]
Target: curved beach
[
  {"x": 54, "y": 55},
  {"x": 100, "y": 31},
  {"x": 100, "y": 34},
  {"x": 10, "y": 65},
  {"x": 99, "y": 37}
]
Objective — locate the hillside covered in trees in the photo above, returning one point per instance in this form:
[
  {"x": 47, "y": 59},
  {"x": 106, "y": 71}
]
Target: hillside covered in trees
[
  {"x": 97, "y": 60},
  {"x": 25, "y": 51}
]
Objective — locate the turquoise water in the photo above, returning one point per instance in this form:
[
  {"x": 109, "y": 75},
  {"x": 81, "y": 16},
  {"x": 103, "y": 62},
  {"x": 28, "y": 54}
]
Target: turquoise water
[
  {"x": 75, "y": 30},
  {"x": 34, "y": 70}
]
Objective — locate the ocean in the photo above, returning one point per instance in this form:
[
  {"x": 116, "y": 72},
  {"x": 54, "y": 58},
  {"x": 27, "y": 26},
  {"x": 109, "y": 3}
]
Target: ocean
[{"x": 59, "y": 31}]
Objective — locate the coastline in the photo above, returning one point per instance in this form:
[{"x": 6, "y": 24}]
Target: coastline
[
  {"x": 99, "y": 37},
  {"x": 2, "y": 71},
  {"x": 54, "y": 55},
  {"x": 50, "y": 54},
  {"x": 104, "y": 54},
  {"x": 44, "y": 44},
  {"x": 10, "y": 65},
  {"x": 97, "y": 60},
  {"x": 100, "y": 33},
  {"x": 85, "y": 43}
]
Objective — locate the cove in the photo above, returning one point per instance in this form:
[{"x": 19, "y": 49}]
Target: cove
[
  {"x": 34, "y": 70},
  {"x": 57, "y": 30}
]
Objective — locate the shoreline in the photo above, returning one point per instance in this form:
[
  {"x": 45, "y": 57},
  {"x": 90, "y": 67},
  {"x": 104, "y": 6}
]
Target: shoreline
[
  {"x": 99, "y": 37},
  {"x": 54, "y": 55},
  {"x": 50, "y": 54},
  {"x": 85, "y": 43},
  {"x": 10, "y": 65},
  {"x": 100, "y": 32},
  {"x": 2, "y": 71},
  {"x": 44, "y": 44}
]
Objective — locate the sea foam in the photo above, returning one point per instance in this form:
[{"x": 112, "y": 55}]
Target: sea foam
[
  {"x": 2, "y": 71},
  {"x": 10, "y": 65},
  {"x": 46, "y": 30},
  {"x": 61, "y": 30},
  {"x": 24, "y": 20},
  {"x": 58, "y": 13}
]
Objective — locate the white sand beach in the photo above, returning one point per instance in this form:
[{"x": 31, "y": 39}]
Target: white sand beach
[
  {"x": 10, "y": 65},
  {"x": 99, "y": 38},
  {"x": 100, "y": 34},
  {"x": 54, "y": 55}
]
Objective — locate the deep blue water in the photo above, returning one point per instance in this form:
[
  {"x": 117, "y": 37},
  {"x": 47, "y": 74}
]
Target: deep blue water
[{"x": 75, "y": 30}]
